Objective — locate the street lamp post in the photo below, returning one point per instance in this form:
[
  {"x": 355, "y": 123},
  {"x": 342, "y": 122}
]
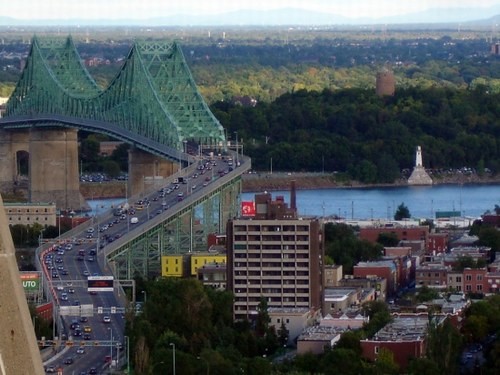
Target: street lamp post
[
  {"x": 111, "y": 347},
  {"x": 236, "y": 134},
  {"x": 40, "y": 238},
  {"x": 145, "y": 296},
  {"x": 173, "y": 357}
]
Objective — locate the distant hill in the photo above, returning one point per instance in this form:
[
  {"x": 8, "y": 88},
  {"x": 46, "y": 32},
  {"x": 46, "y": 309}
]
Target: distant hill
[{"x": 285, "y": 16}]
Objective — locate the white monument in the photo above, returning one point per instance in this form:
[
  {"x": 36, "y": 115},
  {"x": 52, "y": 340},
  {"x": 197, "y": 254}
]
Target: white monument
[{"x": 419, "y": 176}]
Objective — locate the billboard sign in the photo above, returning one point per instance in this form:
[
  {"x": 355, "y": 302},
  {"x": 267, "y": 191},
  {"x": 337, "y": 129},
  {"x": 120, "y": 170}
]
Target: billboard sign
[
  {"x": 247, "y": 208},
  {"x": 31, "y": 281},
  {"x": 100, "y": 283}
]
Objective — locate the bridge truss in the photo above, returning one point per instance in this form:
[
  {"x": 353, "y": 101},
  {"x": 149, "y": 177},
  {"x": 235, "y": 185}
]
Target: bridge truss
[
  {"x": 180, "y": 230},
  {"x": 153, "y": 95}
]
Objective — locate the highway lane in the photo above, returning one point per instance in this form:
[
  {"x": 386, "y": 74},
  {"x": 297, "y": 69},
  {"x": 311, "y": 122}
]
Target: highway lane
[{"x": 73, "y": 260}]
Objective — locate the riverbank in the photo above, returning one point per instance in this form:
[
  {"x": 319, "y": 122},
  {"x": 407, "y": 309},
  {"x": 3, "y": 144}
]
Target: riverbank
[{"x": 259, "y": 182}]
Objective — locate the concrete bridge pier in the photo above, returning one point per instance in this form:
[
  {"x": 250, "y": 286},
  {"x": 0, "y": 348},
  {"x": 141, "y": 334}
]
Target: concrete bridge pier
[
  {"x": 53, "y": 166},
  {"x": 147, "y": 171},
  {"x": 13, "y": 142}
]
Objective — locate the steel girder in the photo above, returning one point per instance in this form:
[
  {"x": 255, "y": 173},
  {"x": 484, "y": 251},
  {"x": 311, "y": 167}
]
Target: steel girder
[
  {"x": 153, "y": 95},
  {"x": 184, "y": 232}
]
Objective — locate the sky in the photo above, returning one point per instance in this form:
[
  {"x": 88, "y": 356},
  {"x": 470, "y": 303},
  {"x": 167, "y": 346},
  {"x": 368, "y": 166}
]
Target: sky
[{"x": 144, "y": 9}]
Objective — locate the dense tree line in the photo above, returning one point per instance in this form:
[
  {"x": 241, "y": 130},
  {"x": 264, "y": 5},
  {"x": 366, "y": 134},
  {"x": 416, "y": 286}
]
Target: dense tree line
[
  {"x": 198, "y": 321},
  {"x": 369, "y": 137}
]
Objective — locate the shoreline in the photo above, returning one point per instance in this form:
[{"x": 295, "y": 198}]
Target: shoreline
[
  {"x": 281, "y": 181},
  {"x": 259, "y": 182}
]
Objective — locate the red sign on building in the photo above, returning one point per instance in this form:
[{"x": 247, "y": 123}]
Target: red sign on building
[{"x": 247, "y": 208}]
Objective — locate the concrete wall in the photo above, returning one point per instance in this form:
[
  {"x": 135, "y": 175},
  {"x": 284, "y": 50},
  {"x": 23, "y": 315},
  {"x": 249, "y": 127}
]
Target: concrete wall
[
  {"x": 147, "y": 171},
  {"x": 53, "y": 168},
  {"x": 19, "y": 352},
  {"x": 10, "y": 143}
]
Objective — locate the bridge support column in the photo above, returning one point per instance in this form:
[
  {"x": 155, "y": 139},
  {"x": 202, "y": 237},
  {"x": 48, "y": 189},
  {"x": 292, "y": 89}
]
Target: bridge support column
[
  {"x": 19, "y": 353},
  {"x": 146, "y": 171},
  {"x": 54, "y": 168},
  {"x": 11, "y": 178}
]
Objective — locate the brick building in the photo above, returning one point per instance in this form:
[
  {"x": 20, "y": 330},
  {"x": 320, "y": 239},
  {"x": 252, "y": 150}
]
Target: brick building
[
  {"x": 405, "y": 337},
  {"x": 432, "y": 276},
  {"x": 410, "y": 233},
  {"x": 385, "y": 268},
  {"x": 276, "y": 256}
]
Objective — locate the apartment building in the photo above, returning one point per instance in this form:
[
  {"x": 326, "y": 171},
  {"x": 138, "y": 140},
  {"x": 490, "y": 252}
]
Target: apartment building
[{"x": 274, "y": 255}]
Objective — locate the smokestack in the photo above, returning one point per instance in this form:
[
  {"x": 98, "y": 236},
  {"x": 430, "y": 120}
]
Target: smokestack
[{"x": 293, "y": 196}]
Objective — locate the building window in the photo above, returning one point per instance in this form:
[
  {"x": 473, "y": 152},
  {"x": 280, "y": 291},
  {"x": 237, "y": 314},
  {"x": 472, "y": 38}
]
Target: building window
[
  {"x": 459, "y": 279},
  {"x": 479, "y": 277},
  {"x": 376, "y": 350},
  {"x": 468, "y": 287},
  {"x": 479, "y": 287},
  {"x": 468, "y": 277}
]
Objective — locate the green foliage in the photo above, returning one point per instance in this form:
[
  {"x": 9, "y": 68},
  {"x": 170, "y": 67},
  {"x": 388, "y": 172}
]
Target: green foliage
[
  {"x": 468, "y": 262},
  {"x": 444, "y": 346},
  {"x": 343, "y": 246},
  {"x": 111, "y": 168},
  {"x": 388, "y": 239},
  {"x": 423, "y": 366},
  {"x": 120, "y": 156},
  {"x": 402, "y": 212},
  {"x": 339, "y": 361},
  {"x": 490, "y": 237},
  {"x": 385, "y": 364},
  {"x": 29, "y": 235},
  {"x": 371, "y": 138},
  {"x": 379, "y": 315},
  {"x": 426, "y": 294}
]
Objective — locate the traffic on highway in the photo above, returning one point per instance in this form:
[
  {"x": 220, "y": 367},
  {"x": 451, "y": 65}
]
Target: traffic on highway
[{"x": 91, "y": 320}]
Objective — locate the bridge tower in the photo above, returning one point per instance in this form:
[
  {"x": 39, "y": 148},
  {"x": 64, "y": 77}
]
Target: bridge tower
[
  {"x": 12, "y": 144},
  {"x": 43, "y": 164},
  {"x": 147, "y": 171},
  {"x": 53, "y": 167}
]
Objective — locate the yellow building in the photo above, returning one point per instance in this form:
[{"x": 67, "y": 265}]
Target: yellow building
[
  {"x": 187, "y": 265},
  {"x": 172, "y": 266},
  {"x": 199, "y": 260}
]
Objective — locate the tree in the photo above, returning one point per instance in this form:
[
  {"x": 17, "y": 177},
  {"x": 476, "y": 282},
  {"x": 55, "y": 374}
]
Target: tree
[
  {"x": 263, "y": 319},
  {"x": 444, "y": 344},
  {"x": 111, "y": 168},
  {"x": 388, "y": 239},
  {"x": 402, "y": 212},
  {"x": 385, "y": 364},
  {"x": 283, "y": 334},
  {"x": 426, "y": 294}
]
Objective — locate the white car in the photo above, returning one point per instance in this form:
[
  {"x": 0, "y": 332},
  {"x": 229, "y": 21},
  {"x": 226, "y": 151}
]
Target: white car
[{"x": 106, "y": 319}]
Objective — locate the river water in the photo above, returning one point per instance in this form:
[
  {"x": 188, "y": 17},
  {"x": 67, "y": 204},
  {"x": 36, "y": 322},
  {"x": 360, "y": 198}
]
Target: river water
[
  {"x": 377, "y": 203},
  {"x": 382, "y": 202}
]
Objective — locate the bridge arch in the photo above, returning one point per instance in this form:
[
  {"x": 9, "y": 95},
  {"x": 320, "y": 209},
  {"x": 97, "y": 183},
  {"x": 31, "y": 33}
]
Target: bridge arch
[{"x": 152, "y": 103}]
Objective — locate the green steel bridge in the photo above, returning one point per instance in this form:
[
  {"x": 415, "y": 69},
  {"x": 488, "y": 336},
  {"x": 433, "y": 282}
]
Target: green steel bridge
[{"x": 152, "y": 103}]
